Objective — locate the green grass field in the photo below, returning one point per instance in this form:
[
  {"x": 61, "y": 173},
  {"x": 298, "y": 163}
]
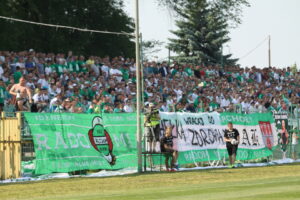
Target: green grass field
[{"x": 274, "y": 182}]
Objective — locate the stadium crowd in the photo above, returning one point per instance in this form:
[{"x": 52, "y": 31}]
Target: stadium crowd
[{"x": 71, "y": 83}]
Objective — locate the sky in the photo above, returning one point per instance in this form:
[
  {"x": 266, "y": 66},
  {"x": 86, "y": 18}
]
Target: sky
[{"x": 277, "y": 18}]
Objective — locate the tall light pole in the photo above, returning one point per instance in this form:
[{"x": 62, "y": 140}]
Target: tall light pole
[
  {"x": 142, "y": 69},
  {"x": 138, "y": 87}
]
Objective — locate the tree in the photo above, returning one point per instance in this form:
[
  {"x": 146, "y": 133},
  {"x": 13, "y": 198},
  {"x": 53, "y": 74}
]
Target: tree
[
  {"x": 202, "y": 32},
  {"x": 92, "y": 14},
  {"x": 203, "y": 28},
  {"x": 230, "y": 10}
]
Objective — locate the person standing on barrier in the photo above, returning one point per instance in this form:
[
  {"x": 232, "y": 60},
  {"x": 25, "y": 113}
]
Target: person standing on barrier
[
  {"x": 22, "y": 95},
  {"x": 232, "y": 138},
  {"x": 152, "y": 128},
  {"x": 295, "y": 139},
  {"x": 284, "y": 137},
  {"x": 167, "y": 148}
]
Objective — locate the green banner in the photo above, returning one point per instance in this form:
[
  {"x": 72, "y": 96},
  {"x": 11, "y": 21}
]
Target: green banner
[
  {"x": 246, "y": 119},
  {"x": 67, "y": 142}
]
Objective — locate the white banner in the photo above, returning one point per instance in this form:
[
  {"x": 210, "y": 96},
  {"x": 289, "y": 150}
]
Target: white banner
[{"x": 203, "y": 131}]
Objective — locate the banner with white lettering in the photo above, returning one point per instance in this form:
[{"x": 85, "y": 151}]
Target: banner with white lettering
[{"x": 67, "y": 142}]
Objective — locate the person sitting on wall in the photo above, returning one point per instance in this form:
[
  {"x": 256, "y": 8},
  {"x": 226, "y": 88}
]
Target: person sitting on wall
[
  {"x": 295, "y": 139},
  {"x": 168, "y": 148},
  {"x": 22, "y": 95},
  {"x": 41, "y": 99}
]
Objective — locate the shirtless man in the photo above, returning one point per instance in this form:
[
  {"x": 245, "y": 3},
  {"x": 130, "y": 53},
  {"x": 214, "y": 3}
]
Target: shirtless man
[{"x": 21, "y": 93}]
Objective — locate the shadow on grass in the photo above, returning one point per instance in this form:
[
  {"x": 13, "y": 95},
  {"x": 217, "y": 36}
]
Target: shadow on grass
[{"x": 149, "y": 173}]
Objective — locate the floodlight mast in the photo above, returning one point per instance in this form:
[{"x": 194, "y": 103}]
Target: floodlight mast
[{"x": 138, "y": 87}]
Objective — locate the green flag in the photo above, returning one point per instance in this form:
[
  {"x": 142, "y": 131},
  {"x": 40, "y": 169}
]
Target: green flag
[{"x": 67, "y": 142}]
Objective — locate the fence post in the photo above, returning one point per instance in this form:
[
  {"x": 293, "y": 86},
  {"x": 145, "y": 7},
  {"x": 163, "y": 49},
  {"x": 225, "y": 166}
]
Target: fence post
[
  {"x": 2, "y": 160},
  {"x": 18, "y": 145},
  {"x": 10, "y": 146}
]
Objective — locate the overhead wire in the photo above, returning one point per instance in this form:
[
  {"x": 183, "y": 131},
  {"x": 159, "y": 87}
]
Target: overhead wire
[
  {"x": 66, "y": 27},
  {"x": 252, "y": 50}
]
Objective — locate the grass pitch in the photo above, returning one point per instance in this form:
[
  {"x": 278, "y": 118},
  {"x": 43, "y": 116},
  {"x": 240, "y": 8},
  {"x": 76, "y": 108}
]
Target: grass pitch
[{"x": 274, "y": 182}]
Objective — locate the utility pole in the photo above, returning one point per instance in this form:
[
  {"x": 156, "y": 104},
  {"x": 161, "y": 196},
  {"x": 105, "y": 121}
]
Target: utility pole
[
  {"x": 138, "y": 88},
  {"x": 269, "y": 51}
]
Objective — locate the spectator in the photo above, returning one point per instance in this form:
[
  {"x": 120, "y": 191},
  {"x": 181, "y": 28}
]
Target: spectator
[
  {"x": 17, "y": 75},
  {"x": 98, "y": 81},
  {"x": 128, "y": 108},
  {"x": 2, "y": 95},
  {"x": 167, "y": 146},
  {"x": 41, "y": 100},
  {"x": 21, "y": 94}
]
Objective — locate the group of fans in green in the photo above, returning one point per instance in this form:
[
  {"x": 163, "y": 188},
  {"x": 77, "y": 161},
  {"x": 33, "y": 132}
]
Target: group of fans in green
[
  {"x": 48, "y": 82},
  {"x": 71, "y": 83}
]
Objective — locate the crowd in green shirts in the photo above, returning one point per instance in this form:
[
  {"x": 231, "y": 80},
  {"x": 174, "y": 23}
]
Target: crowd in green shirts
[{"x": 94, "y": 84}]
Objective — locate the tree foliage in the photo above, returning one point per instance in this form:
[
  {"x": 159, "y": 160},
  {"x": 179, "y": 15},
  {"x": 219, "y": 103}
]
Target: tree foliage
[
  {"x": 90, "y": 14},
  {"x": 230, "y": 10},
  {"x": 150, "y": 47},
  {"x": 203, "y": 28}
]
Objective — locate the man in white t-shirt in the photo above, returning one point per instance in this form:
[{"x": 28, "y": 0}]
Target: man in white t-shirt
[
  {"x": 105, "y": 69},
  {"x": 164, "y": 107},
  {"x": 1, "y": 71},
  {"x": 128, "y": 108},
  {"x": 41, "y": 99},
  {"x": 48, "y": 69},
  {"x": 132, "y": 68},
  {"x": 194, "y": 94},
  {"x": 295, "y": 138},
  {"x": 21, "y": 63},
  {"x": 236, "y": 99},
  {"x": 2, "y": 58},
  {"x": 245, "y": 105},
  {"x": 116, "y": 73},
  {"x": 43, "y": 82},
  {"x": 178, "y": 92},
  {"x": 225, "y": 102},
  {"x": 55, "y": 102},
  {"x": 30, "y": 84}
]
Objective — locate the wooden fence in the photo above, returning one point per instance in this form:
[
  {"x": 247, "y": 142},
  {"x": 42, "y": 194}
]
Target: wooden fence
[{"x": 10, "y": 146}]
